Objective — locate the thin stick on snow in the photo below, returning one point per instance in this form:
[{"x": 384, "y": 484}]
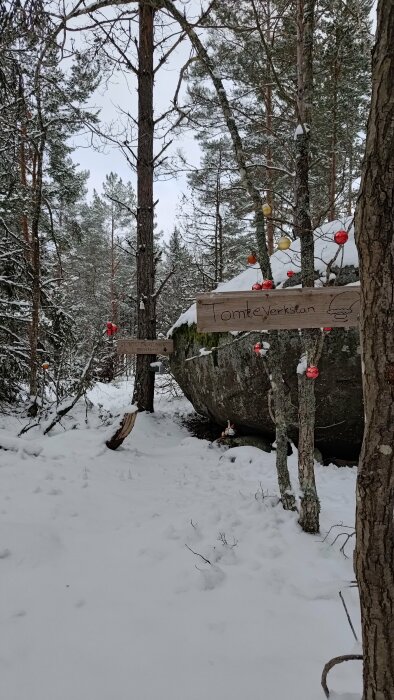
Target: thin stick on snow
[
  {"x": 348, "y": 616},
  {"x": 198, "y": 555}
]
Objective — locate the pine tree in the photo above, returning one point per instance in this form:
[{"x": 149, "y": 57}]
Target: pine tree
[
  {"x": 42, "y": 108},
  {"x": 213, "y": 223},
  {"x": 183, "y": 283}
]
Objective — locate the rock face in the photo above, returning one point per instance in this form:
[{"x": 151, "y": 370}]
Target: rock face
[{"x": 230, "y": 384}]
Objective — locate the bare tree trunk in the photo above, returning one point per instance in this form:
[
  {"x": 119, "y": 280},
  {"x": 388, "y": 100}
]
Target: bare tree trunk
[
  {"x": 112, "y": 363},
  {"x": 374, "y": 560},
  {"x": 37, "y": 168},
  {"x": 310, "y": 506},
  {"x": 113, "y": 295},
  {"x": 218, "y": 224},
  {"x": 333, "y": 164},
  {"x": 217, "y": 214},
  {"x": 276, "y": 339},
  {"x": 269, "y": 111},
  {"x": 281, "y": 439},
  {"x": 146, "y": 324},
  {"x": 350, "y": 181}
]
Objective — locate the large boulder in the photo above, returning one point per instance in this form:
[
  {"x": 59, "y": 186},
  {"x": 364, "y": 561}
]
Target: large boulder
[
  {"x": 224, "y": 379},
  {"x": 230, "y": 383}
]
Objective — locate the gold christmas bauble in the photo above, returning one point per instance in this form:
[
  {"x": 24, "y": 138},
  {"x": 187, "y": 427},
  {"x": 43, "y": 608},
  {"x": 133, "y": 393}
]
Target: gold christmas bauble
[
  {"x": 284, "y": 243},
  {"x": 45, "y": 365},
  {"x": 267, "y": 211}
]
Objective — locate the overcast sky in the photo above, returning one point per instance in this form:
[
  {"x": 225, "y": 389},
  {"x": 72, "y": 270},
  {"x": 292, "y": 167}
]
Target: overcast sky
[
  {"x": 117, "y": 95},
  {"x": 122, "y": 93}
]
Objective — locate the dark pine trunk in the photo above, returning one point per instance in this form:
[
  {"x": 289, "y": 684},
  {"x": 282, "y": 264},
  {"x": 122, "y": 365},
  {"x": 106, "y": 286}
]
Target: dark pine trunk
[
  {"x": 374, "y": 561},
  {"x": 146, "y": 324}
]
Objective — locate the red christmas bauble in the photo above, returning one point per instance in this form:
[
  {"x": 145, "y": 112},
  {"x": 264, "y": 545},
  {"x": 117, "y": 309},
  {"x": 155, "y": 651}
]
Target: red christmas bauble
[
  {"x": 290, "y": 273},
  {"x": 252, "y": 260},
  {"x": 109, "y": 328},
  {"x": 257, "y": 348},
  {"x": 341, "y": 237},
  {"x": 312, "y": 372},
  {"x": 267, "y": 284},
  {"x": 257, "y": 287},
  {"x": 327, "y": 329}
]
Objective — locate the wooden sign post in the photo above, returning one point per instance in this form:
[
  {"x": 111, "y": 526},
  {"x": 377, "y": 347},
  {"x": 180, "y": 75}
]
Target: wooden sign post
[
  {"x": 333, "y": 307},
  {"x": 135, "y": 346}
]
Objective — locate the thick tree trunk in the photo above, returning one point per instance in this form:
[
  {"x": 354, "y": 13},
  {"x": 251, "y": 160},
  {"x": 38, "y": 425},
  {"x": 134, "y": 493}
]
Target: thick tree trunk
[
  {"x": 310, "y": 507},
  {"x": 374, "y": 561},
  {"x": 146, "y": 324}
]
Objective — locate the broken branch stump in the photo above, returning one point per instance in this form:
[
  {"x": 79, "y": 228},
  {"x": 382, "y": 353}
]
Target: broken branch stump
[{"x": 126, "y": 426}]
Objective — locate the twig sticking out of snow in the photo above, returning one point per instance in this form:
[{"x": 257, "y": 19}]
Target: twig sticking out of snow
[
  {"x": 197, "y": 554},
  {"x": 347, "y": 614}
]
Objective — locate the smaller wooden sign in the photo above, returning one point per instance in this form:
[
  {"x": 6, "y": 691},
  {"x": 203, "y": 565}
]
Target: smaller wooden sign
[{"x": 135, "y": 346}]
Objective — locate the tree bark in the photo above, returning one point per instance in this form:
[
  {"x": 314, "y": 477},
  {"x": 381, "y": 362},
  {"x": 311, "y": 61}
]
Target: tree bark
[
  {"x": 310, "y": 506},
  {"x": 374, "y": 560},
  {"x": 146, "y": 321}
]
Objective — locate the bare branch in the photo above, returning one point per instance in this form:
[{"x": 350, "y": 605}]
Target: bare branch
[{"x": 330, "y": 664}]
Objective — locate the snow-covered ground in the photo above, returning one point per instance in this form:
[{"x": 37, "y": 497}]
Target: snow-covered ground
[{"x": 102, "y": 599}]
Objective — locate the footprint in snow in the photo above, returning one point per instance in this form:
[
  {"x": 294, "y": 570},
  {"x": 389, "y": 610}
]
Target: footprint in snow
[
  {"x": 55, "y": 492},
  {"x": 5, "y": 553}
]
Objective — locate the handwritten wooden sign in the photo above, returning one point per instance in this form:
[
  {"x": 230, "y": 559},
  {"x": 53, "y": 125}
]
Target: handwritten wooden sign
[
  {"x": 134, "y": 346},
  {"x": 278, "y": 309}
]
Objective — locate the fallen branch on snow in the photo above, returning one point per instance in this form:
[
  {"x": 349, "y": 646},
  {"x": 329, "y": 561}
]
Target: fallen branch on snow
[
  {"x": 126, "y": 426},
  {"x": 333, "y": 662}
]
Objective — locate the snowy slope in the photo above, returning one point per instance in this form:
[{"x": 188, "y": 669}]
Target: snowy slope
[
  {"x": 283, "y": 261},
  {"x": 102, "y": 600}
]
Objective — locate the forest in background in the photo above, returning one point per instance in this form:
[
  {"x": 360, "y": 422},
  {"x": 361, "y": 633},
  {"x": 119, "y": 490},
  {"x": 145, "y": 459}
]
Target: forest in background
[{"x": 68, "y": 261}]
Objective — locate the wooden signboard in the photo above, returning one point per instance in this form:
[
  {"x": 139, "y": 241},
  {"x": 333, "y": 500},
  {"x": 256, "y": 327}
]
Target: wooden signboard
[
  {"x": 274, "y": 309},
  {"x": 134, "y": 346}
]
